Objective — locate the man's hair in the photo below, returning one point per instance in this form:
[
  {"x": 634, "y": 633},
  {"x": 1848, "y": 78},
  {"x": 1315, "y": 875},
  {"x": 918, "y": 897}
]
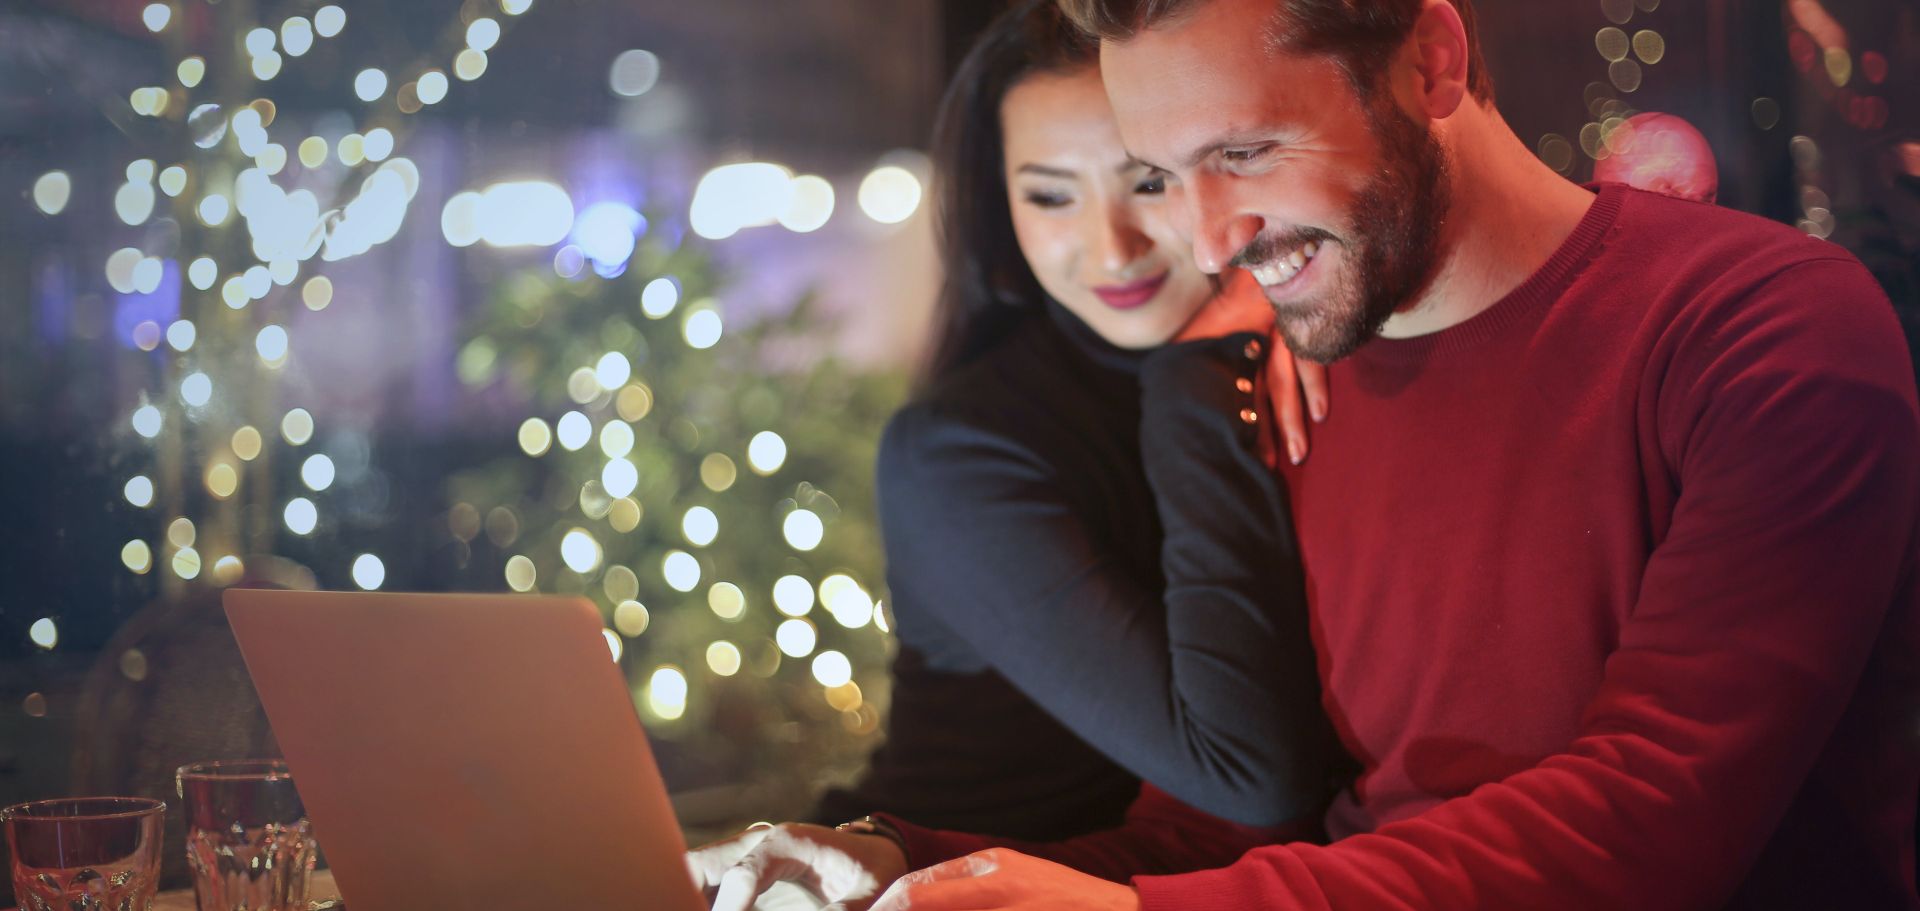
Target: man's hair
[{"x": 1360, "y": 35}]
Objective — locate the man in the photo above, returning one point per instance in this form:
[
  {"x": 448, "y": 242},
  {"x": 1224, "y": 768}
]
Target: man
[{"x": 1611, "y": 551}]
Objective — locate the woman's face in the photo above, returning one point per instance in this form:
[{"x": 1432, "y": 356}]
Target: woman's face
[{"x": 1092, "y": 224}]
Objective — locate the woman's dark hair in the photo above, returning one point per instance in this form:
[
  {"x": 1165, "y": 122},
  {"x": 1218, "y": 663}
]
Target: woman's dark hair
[{"x": 987, "y": 285}]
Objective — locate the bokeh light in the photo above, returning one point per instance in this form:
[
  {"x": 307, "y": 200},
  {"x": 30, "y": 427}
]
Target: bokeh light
[
  {"x": 658, "y": 298},
  {"x": 329, "y": 20},
  {"x": 619, "y": 477},
  {"x": 483, "y": 33},
  {"x": 723, "y": 658},
  {"x": 521, "y": 573},
  {"x": 535, "y": 437},
  {"x": 831, "y": 668},
  {"x": 796, "y": 638},
  {"x": 702, "y": 328},
  {"x": 297, "y": 426},
  {"x": 580, "y": 551},
  {"x": 44, "y": 633},
  {"x": 139, "y": 490},
  {"x": 681, "y": 570},
  {"x": 766, "y": 452},
  {"x": 700, "y": 526},
  {"x": 317, "y": 472},
  {"x": 52, "y": 191},
  {"x": 667, "y": 693},
  {"x": 573, "y": 431},
  {"x": 802, "y": 529},
  {"x": 368, "y": 572},
  {"x": 631, "y": 618},
  {"x": 726, "y": 600},
  {"x": 137, "y": 556},
  {"x": 616, "y": 439},
  {"x": 793, "y": 596},
  {"x": 633, "y": 73},
  {"x": 889, "y": 194}
]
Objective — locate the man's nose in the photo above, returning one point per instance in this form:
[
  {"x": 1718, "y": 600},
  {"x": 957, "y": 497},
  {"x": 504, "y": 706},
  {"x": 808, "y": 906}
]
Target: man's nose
[{"x": 1220, "y": 230}]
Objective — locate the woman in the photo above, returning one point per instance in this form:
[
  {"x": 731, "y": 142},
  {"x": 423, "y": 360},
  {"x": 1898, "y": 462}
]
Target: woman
[{"x": 1092, "y": 575}]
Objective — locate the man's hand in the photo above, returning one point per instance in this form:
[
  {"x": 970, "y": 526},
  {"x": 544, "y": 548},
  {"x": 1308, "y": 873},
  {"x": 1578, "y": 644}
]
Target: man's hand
[
  {"x": 999, "y": 879},
  {"x": 1298, "y": 388},
  {"x": 847, "y": 869}
]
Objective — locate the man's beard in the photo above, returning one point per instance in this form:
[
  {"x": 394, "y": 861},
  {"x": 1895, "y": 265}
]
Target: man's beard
[{"x": 1390, "y": 253}]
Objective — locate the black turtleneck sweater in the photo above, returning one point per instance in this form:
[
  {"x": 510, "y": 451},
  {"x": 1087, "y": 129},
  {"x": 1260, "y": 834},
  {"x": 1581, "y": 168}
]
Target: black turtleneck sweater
[{"x": 1093, "y": 582}]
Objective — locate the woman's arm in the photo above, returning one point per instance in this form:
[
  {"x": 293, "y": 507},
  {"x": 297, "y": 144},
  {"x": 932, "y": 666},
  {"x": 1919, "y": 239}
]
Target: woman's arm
[{"x": 1208, "y": 691}]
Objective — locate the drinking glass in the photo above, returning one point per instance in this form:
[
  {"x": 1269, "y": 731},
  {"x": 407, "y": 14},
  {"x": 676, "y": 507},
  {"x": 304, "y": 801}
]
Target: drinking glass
[
  {"x": 85, "y": 853},
  {"x": 249, "y": 844}
]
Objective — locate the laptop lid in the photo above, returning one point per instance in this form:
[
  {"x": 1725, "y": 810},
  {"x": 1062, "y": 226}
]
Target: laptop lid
[{"x": 464, "y": 751}]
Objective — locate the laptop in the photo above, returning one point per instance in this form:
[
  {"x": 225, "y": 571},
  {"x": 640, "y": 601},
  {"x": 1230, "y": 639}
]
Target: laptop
[{"x": 464, "y": 751}]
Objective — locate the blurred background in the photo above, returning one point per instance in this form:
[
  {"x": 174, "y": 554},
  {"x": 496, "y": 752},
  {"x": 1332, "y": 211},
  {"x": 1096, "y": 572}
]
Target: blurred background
[{"x": 613, "y": 299}]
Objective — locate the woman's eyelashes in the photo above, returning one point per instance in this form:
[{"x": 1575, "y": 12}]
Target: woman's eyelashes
[{"x": 1048, "y": 199}]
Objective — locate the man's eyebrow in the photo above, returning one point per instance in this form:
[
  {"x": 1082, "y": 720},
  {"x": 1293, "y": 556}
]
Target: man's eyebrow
[{"x": 1044, "y": 170}]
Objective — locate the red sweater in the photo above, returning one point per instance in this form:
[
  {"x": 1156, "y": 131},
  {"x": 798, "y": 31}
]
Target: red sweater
[{"x": 1614, "y": 591}]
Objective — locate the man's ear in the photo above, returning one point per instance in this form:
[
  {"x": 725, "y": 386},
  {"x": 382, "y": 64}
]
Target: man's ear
[{"x": 1439, "y": 50}]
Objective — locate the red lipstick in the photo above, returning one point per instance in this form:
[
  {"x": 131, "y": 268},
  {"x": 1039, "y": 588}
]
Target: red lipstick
[{"x": 1132, "y": 294}]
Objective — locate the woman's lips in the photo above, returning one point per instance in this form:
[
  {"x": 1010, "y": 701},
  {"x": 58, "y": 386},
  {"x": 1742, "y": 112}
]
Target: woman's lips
[{"x": 1132, "y": 294}]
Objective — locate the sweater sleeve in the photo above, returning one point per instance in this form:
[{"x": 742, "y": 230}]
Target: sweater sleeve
[
  {"x": 1160, "y": 835},
  {"x": 1790, "y": 424},
  {"x": 978, "y": 535}
]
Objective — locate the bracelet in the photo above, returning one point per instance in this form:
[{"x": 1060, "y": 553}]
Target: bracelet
[{"x": 874, "y": 825}]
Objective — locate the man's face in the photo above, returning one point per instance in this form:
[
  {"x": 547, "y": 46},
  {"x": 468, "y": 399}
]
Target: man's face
[{"x": 1333, "y": 202}]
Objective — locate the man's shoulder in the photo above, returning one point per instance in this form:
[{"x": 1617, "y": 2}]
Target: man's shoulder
[
  {"x": 1700, "y": 267},
  {"x": 1680, "y": 238}
]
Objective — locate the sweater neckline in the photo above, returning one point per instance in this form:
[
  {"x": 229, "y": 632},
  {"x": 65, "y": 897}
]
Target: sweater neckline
[
  {"x": 1540, "y": 289},
  {"x": 1089, "y": 343}
]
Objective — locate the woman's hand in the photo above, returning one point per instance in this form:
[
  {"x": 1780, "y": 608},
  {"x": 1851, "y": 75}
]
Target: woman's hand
[
  {"x": 998, "y": 879},
  {"x": 1298, "y": 388},
  {"x": 847, "y": 869}
]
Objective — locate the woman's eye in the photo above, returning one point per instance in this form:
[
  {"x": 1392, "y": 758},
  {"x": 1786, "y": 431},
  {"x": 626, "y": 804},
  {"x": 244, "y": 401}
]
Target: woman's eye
[
  {"x": 1047, "y": 200},
  {"x": 1151, "y": 186}
]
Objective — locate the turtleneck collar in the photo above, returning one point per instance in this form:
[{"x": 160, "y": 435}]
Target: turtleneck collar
[{"x": 1088, "y": 342}]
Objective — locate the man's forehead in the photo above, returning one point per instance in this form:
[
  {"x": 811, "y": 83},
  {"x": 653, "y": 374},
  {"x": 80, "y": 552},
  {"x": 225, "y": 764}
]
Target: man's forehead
[{"x": 1174, "y": 87}]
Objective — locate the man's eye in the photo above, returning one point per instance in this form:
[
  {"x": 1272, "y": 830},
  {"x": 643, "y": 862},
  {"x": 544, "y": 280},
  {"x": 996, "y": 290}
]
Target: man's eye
[
  {"x": 1241, "y": 156},
  {"x": 1151, "y": 186}
]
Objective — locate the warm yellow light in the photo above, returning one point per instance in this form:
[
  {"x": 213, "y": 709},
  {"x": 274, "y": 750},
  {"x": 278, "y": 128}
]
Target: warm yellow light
[
  {"x": 191, "y": 71},
  {"x": 718, "y": 472},
  {"x": 137, "y": 556},
  {"x": 724, "y": 658},
  {"x": 246, "y": 443},
  {"x": 535, "y": 437},
  {"x": 297, "y": 426},
  {"x": 726, "y": 600},
  {"x": 624, "y": 514},
  {"x": 186, "y": 563},
  {"x": 631, "y": 618},
  {"x": 222, "y": 480},
  {"x": 890, "y": 194},
  {"x": 520, "y": 573},
  {"x": 469, "y": 64}
]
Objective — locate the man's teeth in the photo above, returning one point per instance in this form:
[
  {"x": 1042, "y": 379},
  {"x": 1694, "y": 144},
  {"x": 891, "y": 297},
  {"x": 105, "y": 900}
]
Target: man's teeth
[{"x": 1283, "y": 268}]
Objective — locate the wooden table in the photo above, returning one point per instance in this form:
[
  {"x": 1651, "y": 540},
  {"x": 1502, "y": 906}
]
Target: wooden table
[{"x": 182, "y": 900}]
